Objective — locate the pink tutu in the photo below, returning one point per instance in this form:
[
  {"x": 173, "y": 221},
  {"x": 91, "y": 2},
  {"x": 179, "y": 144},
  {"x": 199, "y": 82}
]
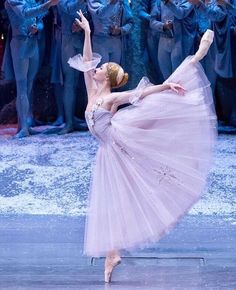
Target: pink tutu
[{"x": 152, "y": 162}]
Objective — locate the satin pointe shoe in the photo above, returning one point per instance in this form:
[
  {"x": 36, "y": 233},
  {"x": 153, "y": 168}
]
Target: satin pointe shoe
[
  {"x": 204, "y": 46},
  {"x": 111, "y": 263}
]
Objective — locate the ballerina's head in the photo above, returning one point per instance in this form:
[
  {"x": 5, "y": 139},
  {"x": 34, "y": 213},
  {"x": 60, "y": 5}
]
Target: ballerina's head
[{"x": 112, "y": 73}]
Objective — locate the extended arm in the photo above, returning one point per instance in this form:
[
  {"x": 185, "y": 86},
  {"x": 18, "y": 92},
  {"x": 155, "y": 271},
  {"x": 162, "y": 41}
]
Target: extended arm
[
  {"x": 87, "y": 55},
  {"x": 124, "y": 97}
]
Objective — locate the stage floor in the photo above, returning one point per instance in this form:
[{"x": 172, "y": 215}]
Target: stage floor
[
  {"x": 43, "y": 189},
  {"x": 45, "y": 252}
]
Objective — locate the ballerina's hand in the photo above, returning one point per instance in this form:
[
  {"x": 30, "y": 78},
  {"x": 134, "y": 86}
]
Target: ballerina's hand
[
  {"x": 177, "y": 88},
  {"x": 83, "y": 22}
]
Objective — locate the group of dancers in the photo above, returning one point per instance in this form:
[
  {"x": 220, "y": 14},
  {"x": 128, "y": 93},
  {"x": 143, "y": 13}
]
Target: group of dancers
[{"x": 172, "y": 29}]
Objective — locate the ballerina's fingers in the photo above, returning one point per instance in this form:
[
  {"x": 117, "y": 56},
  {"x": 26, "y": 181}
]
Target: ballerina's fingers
[
  {"x": 181, "y": 90},
  {"x": 83, "y": 22},
  {"x": 79, "y": 22},
  {"x": 80, "y": 13},
  {"x": 177, "y": 88}
]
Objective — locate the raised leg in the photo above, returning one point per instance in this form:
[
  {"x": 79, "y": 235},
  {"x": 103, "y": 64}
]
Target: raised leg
[{"x": 204, "y": 46}]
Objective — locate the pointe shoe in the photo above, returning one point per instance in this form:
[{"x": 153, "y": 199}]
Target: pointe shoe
[
  {"x": 112, "y": 262},
  {"x": 204, "y": 46}
]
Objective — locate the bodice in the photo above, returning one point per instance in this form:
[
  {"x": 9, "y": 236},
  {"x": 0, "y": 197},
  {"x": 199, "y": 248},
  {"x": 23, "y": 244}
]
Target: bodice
[{"x": 99, "y": 121}]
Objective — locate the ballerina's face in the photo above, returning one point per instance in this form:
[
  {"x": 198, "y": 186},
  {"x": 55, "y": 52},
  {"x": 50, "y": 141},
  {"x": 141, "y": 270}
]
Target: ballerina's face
[{"x": 100, "y": 73}]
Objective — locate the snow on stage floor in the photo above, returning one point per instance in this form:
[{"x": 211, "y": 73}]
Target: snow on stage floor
[{"x": 50, "y": 174}]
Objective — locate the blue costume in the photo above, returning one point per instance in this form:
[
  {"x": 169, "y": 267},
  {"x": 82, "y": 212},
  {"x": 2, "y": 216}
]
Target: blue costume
[
  {"x": 23, "y": 15},
  {"x": 151, "y": 38},
  {"x": 112, "y": 23},
  {"x": 177, "y": 41},
  {"x": 72, "y": 44},
  {"x": 56, "y": 66},
  {"x": 219, "y": 59},
  {"x": 220, "y": 23},
  {"x": 231, "y": 7}
]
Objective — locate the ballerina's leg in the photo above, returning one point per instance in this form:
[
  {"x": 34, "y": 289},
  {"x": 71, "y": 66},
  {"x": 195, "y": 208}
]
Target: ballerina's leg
[
  {"x": 112, "y": 259},
  {"x": 204, "y": 46}
]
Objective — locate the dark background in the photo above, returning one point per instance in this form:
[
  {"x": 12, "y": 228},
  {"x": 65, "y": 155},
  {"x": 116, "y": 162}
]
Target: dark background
[{"x": 44, "y": 99}]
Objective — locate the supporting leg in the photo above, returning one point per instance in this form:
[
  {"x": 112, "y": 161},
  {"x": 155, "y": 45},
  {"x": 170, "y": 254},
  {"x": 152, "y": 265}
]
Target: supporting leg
[{"x": 112, "y": 259}]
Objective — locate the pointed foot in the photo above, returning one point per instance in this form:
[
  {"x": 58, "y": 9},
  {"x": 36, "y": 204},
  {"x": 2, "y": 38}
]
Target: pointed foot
[
  {"x": 111, "y": 263},
  {"x": 204, "y": 46}
]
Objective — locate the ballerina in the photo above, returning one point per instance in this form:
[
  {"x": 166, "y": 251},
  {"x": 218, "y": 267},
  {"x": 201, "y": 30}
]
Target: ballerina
[{"x": 154, "y": 155}]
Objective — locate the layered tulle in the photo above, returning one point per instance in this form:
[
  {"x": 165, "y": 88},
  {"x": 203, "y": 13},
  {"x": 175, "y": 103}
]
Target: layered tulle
[{"x": 152, "y": 163}]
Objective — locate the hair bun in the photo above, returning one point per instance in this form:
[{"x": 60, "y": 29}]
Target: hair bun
[{"x": 124, "y": 80}]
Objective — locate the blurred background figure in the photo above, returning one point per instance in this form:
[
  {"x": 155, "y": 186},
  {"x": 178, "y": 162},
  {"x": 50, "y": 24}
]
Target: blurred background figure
[
  {"x": 218, "y": 64},
  {"x": 112, "y": 22},
  {"x": 71, "y": 44},
  {"x": 26, "y": 22},
  {"x": 151, "y": 39},
  {"x": 56, "y": 65},
  {"x": 175, "y": 21}
]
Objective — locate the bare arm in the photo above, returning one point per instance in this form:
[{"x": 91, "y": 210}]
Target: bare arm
[
  {"x": 87, "y": 54},
  {"x": 124, "y": 97}
]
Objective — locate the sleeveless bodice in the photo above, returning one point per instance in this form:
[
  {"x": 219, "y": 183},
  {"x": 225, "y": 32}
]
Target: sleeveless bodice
[{"x": 99, "y": 121}]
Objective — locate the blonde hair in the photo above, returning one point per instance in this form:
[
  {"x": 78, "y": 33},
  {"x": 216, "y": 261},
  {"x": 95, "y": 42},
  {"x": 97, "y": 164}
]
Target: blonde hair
[{"x": 116, "y": 75}]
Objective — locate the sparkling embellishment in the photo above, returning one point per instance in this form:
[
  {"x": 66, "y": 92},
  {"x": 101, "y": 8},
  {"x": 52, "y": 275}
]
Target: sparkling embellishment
[
  {"x": 166, "y": 173},
  {"x": 123, "y": 150},
  {"x": 95, "y": 106}
]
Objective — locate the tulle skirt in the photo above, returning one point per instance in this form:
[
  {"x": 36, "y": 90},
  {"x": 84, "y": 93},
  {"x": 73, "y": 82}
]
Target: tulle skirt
[{"x": 153, "y": 166}]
